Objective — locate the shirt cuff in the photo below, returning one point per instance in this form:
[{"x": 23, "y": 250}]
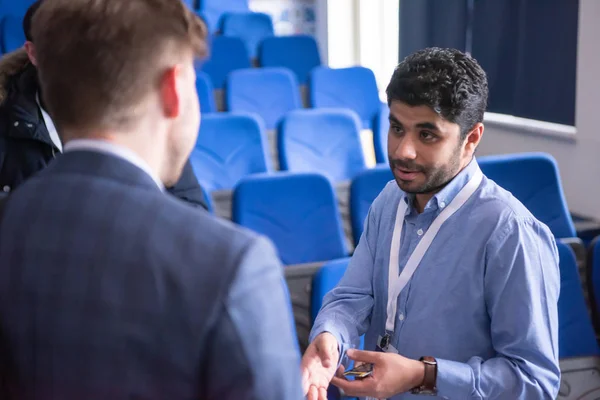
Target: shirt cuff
[{"x": 454, "y": 380}]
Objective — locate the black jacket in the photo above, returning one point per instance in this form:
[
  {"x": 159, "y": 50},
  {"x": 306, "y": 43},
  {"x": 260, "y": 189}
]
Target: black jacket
[{"x": 25, "y": 144}]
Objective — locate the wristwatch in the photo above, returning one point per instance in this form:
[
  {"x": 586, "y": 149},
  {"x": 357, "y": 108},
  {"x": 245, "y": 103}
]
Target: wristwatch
[{"x": 428, "y": 387}]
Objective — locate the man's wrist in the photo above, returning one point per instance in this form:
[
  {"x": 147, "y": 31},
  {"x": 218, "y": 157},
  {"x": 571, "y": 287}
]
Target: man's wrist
[
  {"x": 426, "y": 378},
  {"x": 418, "y": 374}
]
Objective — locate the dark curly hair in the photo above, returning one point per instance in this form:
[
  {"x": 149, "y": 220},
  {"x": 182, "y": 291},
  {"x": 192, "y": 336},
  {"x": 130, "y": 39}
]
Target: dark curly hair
[{"x": 449, "y": 81}]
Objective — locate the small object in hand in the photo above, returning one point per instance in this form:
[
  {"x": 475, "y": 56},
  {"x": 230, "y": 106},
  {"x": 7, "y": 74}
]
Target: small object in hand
[{"x": 361, "y": 371}]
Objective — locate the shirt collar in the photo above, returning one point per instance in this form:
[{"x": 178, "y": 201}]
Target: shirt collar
[
  {"x": 445, "y": 196},
  {"x": 122, "y": 152}
]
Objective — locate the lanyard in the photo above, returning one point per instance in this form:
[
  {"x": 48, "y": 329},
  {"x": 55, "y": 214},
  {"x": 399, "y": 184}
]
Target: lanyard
[{"x": 397, "y": 283}]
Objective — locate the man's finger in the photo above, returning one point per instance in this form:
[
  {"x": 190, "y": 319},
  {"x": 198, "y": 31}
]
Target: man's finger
[
  {"x": 322, "y": 394},
  {"x": 313, "y": 393},
  {"x": 340, "y": 371},
  {"x": 370, "y": 357},
  {"x": 357, "y": 388},
  {"x": 305, "y": 381}
]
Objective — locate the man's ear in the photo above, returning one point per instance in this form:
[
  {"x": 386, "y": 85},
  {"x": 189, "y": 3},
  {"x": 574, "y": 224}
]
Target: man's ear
[
  {"x": 30, "y": 49},
  {"x": 170, "y": 95},
  {"x": 473, "y": 138}
]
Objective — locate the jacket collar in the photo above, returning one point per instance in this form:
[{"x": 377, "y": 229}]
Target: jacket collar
[
  {"x": 25, "y": 118},
  {"x": 100, "y": 165}
]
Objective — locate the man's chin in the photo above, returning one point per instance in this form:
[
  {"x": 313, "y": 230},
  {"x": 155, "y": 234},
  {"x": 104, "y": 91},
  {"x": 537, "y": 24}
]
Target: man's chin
[{"x": 409, "y": 186}]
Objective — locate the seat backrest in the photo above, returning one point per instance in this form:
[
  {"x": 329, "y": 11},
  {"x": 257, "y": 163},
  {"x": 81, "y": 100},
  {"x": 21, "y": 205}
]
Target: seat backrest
[
  {"x": 380, "y": 134},
  {"x": 298, "y": 212},
  {"x": 533, "y": 178},
  {"x": 364, "y": 189},
  {"x": 228, "y": 148},
  {"x": 213, "y": 10},
  {"x": 354, "y": 88},
  {"x": 298, "y": 53},
  {"x": 205, "y": 91},
  {"x": 323, "y": 141},
  {"x": 16, "y": 8},
  {"x": 251, "y": 27},
  {"x": 324, "y": 281},
  {"x": 227, "y": 54},
  {"x": 576, "y": 334},
  {"x": 267, "y": 92},
  {"x": 11, "y": 33}
]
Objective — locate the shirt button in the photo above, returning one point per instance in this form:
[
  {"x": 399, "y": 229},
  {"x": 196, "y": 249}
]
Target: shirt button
[
  {"x": 420, "y": 232},
  {"x": 17, "y": 123},
  {"x": 401, "y": 317},
  {"x": 442, "y": 204},
  {"x": 6, "y": 188}
]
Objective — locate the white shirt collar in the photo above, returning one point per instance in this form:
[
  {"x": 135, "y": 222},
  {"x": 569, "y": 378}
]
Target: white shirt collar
[
  {"x": 49, "y": 125},
  {"x": 124, "y": 153}
]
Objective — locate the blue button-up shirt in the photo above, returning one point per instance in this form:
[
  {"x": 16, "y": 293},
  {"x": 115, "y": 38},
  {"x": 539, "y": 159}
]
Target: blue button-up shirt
[{"x": 483, "y": 300}]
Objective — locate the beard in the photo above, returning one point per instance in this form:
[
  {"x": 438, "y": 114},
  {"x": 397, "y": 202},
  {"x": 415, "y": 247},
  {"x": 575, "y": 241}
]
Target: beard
[{"x": 436, "y": 177}]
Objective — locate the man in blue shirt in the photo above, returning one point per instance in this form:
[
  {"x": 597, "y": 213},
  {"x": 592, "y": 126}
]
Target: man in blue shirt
[{"x": 453, "y": 281}]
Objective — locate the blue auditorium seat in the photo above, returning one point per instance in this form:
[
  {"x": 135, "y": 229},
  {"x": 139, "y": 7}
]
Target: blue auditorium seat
[
  {"x": 17, "y": 8},
  {"x": 298, "y": 212},
  {"x": 213, "y": 10},
  {"x": 321, "y": 141},
  {"x": 205, "y": 91},
  {"x": 354, "y": 88},
  {"x": 324, "y": 281},
  {"x": 267, "y": 92},
  {"x": 534, "y": 179},
  {"x": 364, "y": 190},
  {"x": 576, "y": 334},
  {"x": 251, "y": 27},
  {"x": 209, "y": 202},
  {"x": 298, "y": 53},
  {"x": 229, "y": 147},
  {"x": 227, "y": 54},
  {"x": 11, "y": 33},
  {"x": 381, "y": 129}
]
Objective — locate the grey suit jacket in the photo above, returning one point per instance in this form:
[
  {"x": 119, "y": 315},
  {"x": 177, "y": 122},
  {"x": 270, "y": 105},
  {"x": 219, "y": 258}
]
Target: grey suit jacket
[{"x": 110, "y": 289}]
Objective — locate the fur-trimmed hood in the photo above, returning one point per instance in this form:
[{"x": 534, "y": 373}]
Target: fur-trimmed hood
[{"x": 10, "y": 65}]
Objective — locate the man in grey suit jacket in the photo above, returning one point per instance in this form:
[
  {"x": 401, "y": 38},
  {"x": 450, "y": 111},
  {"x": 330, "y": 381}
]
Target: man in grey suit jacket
[{"x": 109, "y": 288}]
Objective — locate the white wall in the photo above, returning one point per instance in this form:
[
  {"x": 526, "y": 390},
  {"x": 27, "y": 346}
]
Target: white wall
[{"x": 579, "y": 161}]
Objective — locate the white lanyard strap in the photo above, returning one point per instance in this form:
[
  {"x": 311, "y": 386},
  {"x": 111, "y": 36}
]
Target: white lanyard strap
[{"x": 397, "y": 283}]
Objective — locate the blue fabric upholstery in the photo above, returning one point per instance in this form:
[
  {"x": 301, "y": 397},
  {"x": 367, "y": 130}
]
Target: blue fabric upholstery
[
  {"x": 205, "y": 91},
  {"x": 267, "y": 92},
  {"x": 213, "y": 10},
  {"x": 298, "y": 212},
  {"x": 353, "y": 88},
  {"x": 227, "y": 54},
  {"x": 298, "y": 53},
  {"x": 533, "y": 178},
  {"x": 364, "y": 189},
  {"x": 11, "y": 33},
  {"x": 251, "y": 27},
  {"x": 17, "y": 8},
  {"x": 321, "y": 141},
  {"x": 324, "y": 281},
  {"x": 576, "y": 333},
  {"x": 380, "y": 134},
  {"x": 228, "y": 148}
]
